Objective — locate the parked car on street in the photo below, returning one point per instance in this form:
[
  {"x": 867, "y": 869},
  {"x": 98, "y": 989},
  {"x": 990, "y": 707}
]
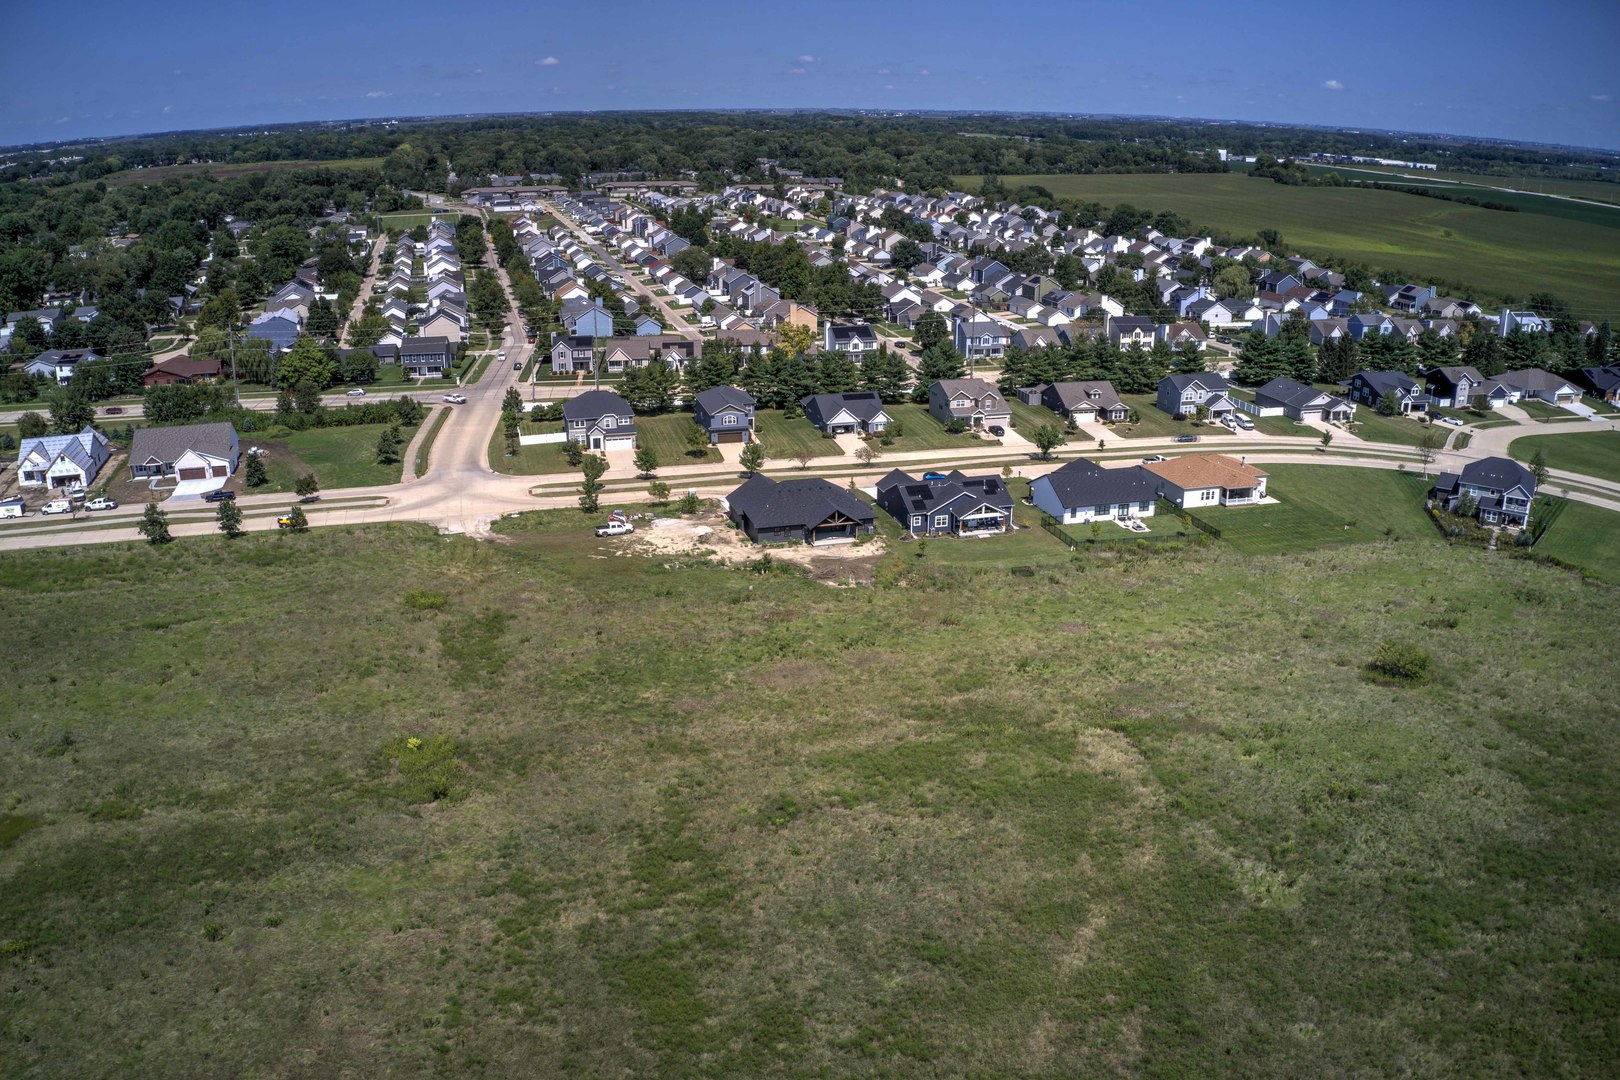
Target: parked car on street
[
  {"x": 219, "y": 496},
  {"x": 115, "y": 410},
  {"x": 284, "y": 521},
  {"x": 57, "y": 506},
  {"x": 1154, "y": 458},
  {"x": 356, "y": 392},
  {"x": 1186, "y": 438},
  {"x": 102, "y": 503},
  {"x": 615, "y": 528}
]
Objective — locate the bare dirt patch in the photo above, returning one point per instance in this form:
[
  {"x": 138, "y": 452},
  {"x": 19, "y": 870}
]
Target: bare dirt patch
[{"x": 710, "y": 535}]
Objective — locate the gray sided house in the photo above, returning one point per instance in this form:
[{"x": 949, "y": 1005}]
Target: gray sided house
[
  {"x": 958, "y": 505},
  {"x": 1297, "y": 401},
  {"x": 726, "y": 413},
  {"x": 1369, "y": 388},
  {"x": 572, "y": 353},
  {"x": 809, "y": 510},
  {"x": 427, "y": 356},
  {"x": 600, "y": 420},
  {"x": 1501, "y": 489},
  {"x": 974, "y": 402},
  {"x": 1182, "y": 395},
  {"x": 846, "y": 414},
  {"x": 856, "y": 339},
  {"x": 1453, "y": 387}
]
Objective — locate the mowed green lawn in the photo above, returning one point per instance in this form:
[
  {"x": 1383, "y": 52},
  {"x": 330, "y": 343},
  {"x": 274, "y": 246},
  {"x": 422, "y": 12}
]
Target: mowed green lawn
[
  {"x": 1587, "y": 536},
  {"x": 921, "y": 431},
  {"x": 1594, "y": 453},
  {"x": 666, "y": 436},
  {"x": 339, "y": 457},
  {"x": 1323, "y": 505},
  {"x": 784, "y": 439},
  {"x": 1154, "y": 423},
  {"x": 1128, "y": 815},
  {"x": 1399, "y": 430},
  {"x": 1517, "y": 254}
]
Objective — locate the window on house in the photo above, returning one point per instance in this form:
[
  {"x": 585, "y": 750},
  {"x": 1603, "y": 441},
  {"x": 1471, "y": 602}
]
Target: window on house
[
  {"x": 941, "y": 520},
  {"x": 729, "y": 420},
  {"x": 607, "y": 422},
  {"x": 916, "y": 521}
]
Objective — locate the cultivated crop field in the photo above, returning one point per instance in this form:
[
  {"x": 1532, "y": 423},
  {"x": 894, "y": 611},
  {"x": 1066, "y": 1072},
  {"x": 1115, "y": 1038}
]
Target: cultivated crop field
[
  {"x": 374, "y": 801},
  {"x": 1516, "y": 254}
]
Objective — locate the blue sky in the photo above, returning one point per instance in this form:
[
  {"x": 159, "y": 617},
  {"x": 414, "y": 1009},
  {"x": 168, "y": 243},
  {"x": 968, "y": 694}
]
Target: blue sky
[{"x": 1543, "y": 72}]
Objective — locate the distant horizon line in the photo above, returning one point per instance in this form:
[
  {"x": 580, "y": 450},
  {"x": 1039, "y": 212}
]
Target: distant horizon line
[{"x": 256, "y": 128}]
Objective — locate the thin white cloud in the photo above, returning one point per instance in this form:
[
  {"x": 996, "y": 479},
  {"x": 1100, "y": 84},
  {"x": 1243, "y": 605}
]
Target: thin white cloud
[
  {"x": 1333, "y": 84},
  {"x": 885, "y": 71},
  {"x": 888, "y": 86},
  {"x": 807, "y": 59},
  {"x": 547, "y": 61},
  {"x": 168, "y": 108},
  {"x": 376, "y": 93},
  {"x": 795, "y": 71},
  {"x": 924, "y": 72},
  {"x": 1602, "y": 97}
]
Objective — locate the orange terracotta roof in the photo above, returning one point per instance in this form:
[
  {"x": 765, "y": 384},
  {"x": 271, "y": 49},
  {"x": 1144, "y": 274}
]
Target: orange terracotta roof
[{"x": 1206, "y": 471}]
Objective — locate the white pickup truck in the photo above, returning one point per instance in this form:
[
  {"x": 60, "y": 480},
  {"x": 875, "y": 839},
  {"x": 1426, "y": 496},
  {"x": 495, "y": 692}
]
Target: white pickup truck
[{"x": 615, "y": 528}]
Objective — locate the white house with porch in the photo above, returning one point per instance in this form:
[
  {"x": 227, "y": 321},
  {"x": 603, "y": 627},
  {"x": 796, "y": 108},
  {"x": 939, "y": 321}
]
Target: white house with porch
[{"x": 51, "y": 461}]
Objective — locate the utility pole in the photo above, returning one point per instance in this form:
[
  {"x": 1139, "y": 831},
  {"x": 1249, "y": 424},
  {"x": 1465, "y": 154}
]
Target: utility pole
[{"x": 230, "y": 337}]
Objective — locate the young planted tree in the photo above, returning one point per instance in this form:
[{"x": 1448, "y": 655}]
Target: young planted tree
[
  {"x": 697, "y": 440},
  {"x": 753, "y": 458},
  {"x": 388, "y": 441},
  {"x": 1048, "y": 437},
  {"x": 257, "y": 474},
  {"x": 1538, "y": 467},
  {"x": 658, "y": 492},
  {"x": 646, "y": 461},
  {"x": 866, "y": 454},
  {"x": 306, "y": 485},
  {"x": 590, "y": 489},
  {"x": 804, "y": 457},
  {"x": 229, "y": 519},
  {"x": 1327, "y": 438},
  {"x": 297, "y": 521},
  {"x": 1428, "y": 445},
  {"x": 155, "y": 525}
]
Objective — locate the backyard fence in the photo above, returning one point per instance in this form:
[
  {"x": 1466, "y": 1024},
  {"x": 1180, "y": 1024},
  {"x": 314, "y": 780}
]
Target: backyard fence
[
  {"x": 1069, "y": 540},
  {"x": 1168, "y": 507},
  {"x": 1552, "y": 509}
]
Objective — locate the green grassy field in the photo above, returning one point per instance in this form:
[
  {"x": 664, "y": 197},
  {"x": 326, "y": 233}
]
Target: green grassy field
[
  {"x": 785, "y": 439},
  {"x": 405, "y": 220},
  {"x": 339, "y": 457},
  {"x": 1516, "y": 254},
  {"x": 1026, "y": 419},
  {"x": 534, "y": 460},
  {"x": 1588, "y": 537},
  {"x": 921, "y": 431},
  {"x": 1468, "y": 183},
  {"x": 1127, "y": 815},
  {"x": 1595, "y": 453},
  {"x": 1321, "y": 505},
  {"x": 1400, "y": 430}
]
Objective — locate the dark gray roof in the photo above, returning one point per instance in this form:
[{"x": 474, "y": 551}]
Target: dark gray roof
[
  {"x": 901, "y": 493},
  {"x": 849, "y": 331},
  {"x": 167, "y": 444},
  {"x": 772, "y": 504},
  {"x": 1209, "y": 380},
  {"x": 418, "y": 346},
  {"x": 819, "y": 408},
  {"x": 1499, "y": 473},
  {"x": 1085, "y": 483},
  {"x": 1292, "y": 392},
  {"x": 718, "y": 397},
  {"x": 594, "y": 403},
  {"x": 1383, "y": 382}
]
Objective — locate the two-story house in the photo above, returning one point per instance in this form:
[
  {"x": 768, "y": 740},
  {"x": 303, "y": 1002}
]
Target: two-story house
[
  {"x": 1182, "y": 395},
  {"x": 62, "y": 460},
  {"x": 977, "y": 339},
  {"x": 600, "y": 420},
  {"x": 1499, "y": 488},
  {"x": 58, "y": 365},
  {"x": 856, "y": 339},
  {"x": 1370, "y": 388},
  {"x": 572, "y": 353},
  {"x": 726, "y": 413},
  {"x": 974, "y": 402}
]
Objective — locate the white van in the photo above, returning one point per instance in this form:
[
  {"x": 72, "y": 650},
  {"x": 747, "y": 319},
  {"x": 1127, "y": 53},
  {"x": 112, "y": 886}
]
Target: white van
[
  {"x": 1243, "y": 421},
  {"x": 57, "y": 506}
]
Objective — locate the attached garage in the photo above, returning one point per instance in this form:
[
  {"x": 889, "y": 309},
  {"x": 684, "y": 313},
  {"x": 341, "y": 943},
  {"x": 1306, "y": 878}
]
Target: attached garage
[
  {"x": 730, "y": 437},
  {"x": 193, "y": 474}
]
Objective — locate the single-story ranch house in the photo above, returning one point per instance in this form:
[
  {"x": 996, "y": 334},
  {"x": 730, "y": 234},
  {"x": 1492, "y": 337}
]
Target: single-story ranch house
[
  {"x": 1083, "y": 491},
  {"x": 1205, "y": 480},
  {"x": 186, "y": 452},
  {"x": 846, "y": 414},
  {"x": 811, "y": 510}
]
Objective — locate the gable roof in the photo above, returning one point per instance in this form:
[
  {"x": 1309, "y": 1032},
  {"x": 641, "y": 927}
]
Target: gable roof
[
  {"x": 594, "y": 403},
  {"x": 167, "y": 444},
  {"x": 915, "y": 496},
  {"x": 862, "y": 405},
  {"x": 1085, "y": 483},
  {"x": 716, "y": 398},
  {"x": 1499, "y": 473},
  {"x": 1207, "y": 471},
  {"x": 1294, "y": 393},
  {"x": 773, "y": 504}
]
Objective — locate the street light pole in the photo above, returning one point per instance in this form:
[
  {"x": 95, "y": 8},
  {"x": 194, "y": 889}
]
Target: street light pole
[{"x": 230, "y": 337}]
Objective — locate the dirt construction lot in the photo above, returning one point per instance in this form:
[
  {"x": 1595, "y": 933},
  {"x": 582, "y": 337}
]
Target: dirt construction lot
[{"x": 711, "y": 535}]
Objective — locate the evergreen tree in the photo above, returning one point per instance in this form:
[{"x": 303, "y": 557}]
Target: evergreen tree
[
  {"x": 229, "y": 518},
  {"x": 836, "y": 373},
  {"x": 154, "y": 525},
  {"x": 886, "y": 374},
  {"x": 941, "y": 361},
  {"x": 1260, "y": 360}
]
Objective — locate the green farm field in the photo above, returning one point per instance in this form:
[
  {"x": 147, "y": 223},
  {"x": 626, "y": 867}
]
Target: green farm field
[
  {"x": 373, "y": 801},
  {"x": 1515, "y": 254}
]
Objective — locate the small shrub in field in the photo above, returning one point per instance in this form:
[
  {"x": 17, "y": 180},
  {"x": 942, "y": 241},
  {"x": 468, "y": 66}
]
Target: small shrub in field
[
  {"x": 428, "y": 768},
  {"x": 425, "y": 600},
  {"x": 1401, "y": 660}
]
